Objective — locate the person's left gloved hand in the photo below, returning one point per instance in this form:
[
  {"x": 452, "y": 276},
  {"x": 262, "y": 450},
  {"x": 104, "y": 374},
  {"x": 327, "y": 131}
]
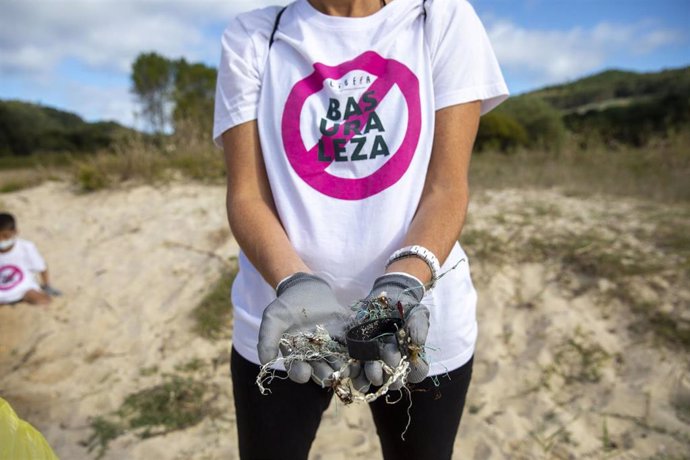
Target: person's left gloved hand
[
  {"x": 407, "y": 292},
  {"x": 51, "y": 291}
]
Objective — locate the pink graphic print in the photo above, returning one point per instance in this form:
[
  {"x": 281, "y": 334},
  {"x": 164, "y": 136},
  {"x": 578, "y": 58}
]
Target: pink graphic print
[
  {"x": 10, "y": 276},
  {"x": 305, "y": 159}
]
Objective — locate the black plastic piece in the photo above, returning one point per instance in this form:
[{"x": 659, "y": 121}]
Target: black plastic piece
[{"x": 363, "y": 339}]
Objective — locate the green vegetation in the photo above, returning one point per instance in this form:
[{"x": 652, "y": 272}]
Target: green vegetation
[
  {"x": 27, "y": 129},
  {"x": 180, "y": 400},
  {"x": 667, "y": 327},
  {"x": 551, "y": 432},
  {"x": 621, "y": 133},
  {"x": 174, "y": 404},
  {"x": 591, "y": 254},
  {"x": 598, "y": 91},
  {"x": 577, "y": 359},
  {"x": 500, "y": 132},
  {"x": 12, "y": 181},
  {"x": 607, "y": 445},
  {"x": 680, "y": 397},
  {"x": 594, "y": 255},
  {"x": 148, "y": 371},
  {"x": 137, "y": 160},
  {"x": 638, "y": 259},
  {"x": 174, "y": 92},
  {"x": 193, "y": 96},
  {"x": 191, "y": 366},
  {"x": 104, "y": 431},
  {"x": 171, "y": 93},
  {"x": 658, "y": 172},
  {"x": 483, "y": 244},
  {"x": 152, "y": 80},
  {"x": 542, "y": 124},
  {"x": 636, "y": 123},
  {"x": 213, "y": 316},
  {"x": 613, "y": 108}
]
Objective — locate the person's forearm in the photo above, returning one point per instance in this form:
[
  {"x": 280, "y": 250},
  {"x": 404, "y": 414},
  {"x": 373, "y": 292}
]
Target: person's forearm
[
  {"x": 442, "y": 208},
  {"x": 251, "y": 211},
  {"x": 263, "y": 240},
  {"x": 436, "y": 226}
]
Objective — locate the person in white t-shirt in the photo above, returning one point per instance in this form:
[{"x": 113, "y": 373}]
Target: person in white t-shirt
[
  {"x": 20, "y": 264},
  {"x": 347, "y": 127}
]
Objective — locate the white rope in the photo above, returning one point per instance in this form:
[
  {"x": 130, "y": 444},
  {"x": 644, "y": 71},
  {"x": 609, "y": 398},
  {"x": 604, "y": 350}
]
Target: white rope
[{"x": 318, "y": 345}]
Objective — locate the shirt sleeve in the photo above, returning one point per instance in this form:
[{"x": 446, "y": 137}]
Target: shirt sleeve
[
  {"x": 239, "y": 80},
  {"x": 464, "y": 65},
  {"x": 34, "y": 260}
]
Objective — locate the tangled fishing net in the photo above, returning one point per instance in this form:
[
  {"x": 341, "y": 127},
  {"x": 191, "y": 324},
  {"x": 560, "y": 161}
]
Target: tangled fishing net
[{"x": 319, "y": 345}]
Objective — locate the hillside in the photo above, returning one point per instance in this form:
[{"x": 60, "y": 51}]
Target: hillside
[
  {"x": 615, "y": 88},
  {"x": 611, "y": 108},
  {"x": 27, "y": 128}
]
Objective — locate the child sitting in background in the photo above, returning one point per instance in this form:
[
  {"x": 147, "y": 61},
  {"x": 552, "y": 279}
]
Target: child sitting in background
[{"x": 20, "y": 261}]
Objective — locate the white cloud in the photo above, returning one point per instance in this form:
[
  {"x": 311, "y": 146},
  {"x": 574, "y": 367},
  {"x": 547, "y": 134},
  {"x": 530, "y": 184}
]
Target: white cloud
[
  {"x": 557, "y": 55},
  {"x": 35, "y": 36},
  {"x": 59, "y": 51}
]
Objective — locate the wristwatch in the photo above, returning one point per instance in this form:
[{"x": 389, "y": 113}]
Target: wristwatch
[{"x": 422, "y": 253}]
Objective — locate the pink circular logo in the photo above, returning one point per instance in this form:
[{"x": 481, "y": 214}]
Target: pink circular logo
[
  {"x": 10, "y": 276},
  {"x": 359, "y": 116}
]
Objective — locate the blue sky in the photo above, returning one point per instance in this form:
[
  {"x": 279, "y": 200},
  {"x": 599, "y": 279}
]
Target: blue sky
[{"x": 76, "y": 54}]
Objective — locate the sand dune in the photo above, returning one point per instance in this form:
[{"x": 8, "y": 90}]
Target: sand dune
[{"x": 559, "y": 371}]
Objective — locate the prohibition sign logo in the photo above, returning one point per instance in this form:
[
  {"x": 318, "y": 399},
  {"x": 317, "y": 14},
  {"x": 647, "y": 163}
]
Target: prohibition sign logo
[
  {"x": 304, "y": 160},
  {"x": 10, "y": 276}
]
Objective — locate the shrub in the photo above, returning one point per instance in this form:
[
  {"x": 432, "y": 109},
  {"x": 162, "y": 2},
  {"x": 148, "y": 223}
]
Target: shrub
[
  {"x": 500, "y": 132},
  {"x": 542, "y": 123}
]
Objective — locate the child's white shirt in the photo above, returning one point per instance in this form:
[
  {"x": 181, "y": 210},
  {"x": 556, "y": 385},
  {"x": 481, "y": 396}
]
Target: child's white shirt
[{"x": 18, "y": 269}]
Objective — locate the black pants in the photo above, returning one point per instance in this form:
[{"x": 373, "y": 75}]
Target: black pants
[{"x": 282, "y": 425}]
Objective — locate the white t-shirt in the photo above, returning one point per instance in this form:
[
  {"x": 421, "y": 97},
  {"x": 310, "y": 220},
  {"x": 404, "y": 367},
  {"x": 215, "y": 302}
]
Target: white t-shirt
[
  {"x": 18, "y": 267},
  {"x": 345, "y": 110}
]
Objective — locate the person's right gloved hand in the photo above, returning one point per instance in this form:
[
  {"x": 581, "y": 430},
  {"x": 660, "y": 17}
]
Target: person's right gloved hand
[
  {"x": 303, "y": 301},
  {"x": 406, "y": 293}
]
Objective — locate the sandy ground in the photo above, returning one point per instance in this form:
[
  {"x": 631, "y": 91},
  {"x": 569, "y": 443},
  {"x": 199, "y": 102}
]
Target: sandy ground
[{"x": 558, "y": 372}]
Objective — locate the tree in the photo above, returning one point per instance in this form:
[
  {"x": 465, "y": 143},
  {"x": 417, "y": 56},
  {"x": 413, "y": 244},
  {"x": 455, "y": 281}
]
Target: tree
[
  {"x": 152, "y": 83},
  {"x": 193, "y": 97}
]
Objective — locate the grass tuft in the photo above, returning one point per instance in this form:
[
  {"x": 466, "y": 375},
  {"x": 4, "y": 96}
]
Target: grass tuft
[
  {"x": 103, "y": 431},
  {"x": 577, "y": 359},
  {"x": 592, "y": 255},
  {"x": 666, "y": 327},
  {"x": 141, "y": 161},
  {"x": 213, "y": 316},
  {"x": 174, "y": 404},
  {"x": 482, "y": 245},
  {"x": 90, "y": 178}
]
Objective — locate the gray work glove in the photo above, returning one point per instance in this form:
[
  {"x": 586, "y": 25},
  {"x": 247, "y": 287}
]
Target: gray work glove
[
  {"x": 50, "y": 290},
  {"x": 407, "y": 292},
  {"x": 303, "y": 301}
]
